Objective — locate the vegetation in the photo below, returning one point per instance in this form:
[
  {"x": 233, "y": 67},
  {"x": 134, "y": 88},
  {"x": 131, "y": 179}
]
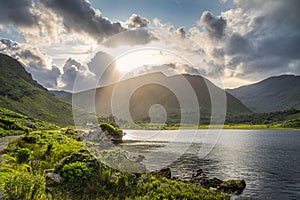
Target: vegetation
[
  {"x": 270, "y": 95},
  {"x": 115, "y": 132},
  {"x": 280, "y": 119},
  {"x": 54, "y": 165},
  {"x": 12, "y": 123},
  {"x": 288, "y": 119},
  {"x": 20, "y": 93}
]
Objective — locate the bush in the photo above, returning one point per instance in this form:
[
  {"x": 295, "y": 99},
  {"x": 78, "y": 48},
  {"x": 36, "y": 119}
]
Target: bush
[
  {"x": 76, "y": 174},
  {"x": 24, "y": 186},
  {"x": 23, "y": 155},
  {"x": 81, "y": 174},
  {"x": 114, "y": 131}
]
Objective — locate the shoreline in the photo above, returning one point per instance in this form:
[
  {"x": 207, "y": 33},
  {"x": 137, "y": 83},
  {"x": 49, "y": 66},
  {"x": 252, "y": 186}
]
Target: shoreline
[{"x": 206, "y": 127}]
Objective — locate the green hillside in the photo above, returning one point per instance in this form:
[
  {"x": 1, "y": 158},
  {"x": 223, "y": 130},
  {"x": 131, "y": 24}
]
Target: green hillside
[
  {"x": 272, "y": 94},
  {"x": 20, "y": 93}
]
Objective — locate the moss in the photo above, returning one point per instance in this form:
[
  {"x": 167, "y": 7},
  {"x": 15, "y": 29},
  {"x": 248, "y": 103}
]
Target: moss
[{"x": 115, "y": 132}]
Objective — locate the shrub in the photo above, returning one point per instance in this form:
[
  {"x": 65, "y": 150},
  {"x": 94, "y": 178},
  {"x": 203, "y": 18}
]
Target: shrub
[
  {"x": 23, "y": 155},
  {"x": 114, "y": 131},
  {"x": 81, "y": 174},
  {"x": 76, "y": 174},
  {"x": 24, "y": 186}
]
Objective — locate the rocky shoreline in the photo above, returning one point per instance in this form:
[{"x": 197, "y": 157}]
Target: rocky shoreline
[{"x": 199, "y": 177}]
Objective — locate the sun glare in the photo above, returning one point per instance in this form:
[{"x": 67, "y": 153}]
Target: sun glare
[{"x": 142, "y": 58}]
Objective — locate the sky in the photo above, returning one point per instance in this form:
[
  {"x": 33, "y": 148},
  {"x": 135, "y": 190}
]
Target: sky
[{"x": 75, "y": 45}]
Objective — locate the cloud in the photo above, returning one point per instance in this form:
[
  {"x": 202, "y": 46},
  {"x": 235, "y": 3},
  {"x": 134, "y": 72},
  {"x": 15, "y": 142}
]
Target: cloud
[
  {"x": 34, "y": 61},
  {"x": 99, "y": 71},
  {"x": 19, "y": 13},
  {"x": 181, "y": 32},
  {"x": 253, "y": 40},
  {"x": 78, "y": 16},
  {"x": 136, "y": 21},
  {"x": 169, "y": 69},
  {"x": 131, "y": 38},
  {"x": 72, "y": 70},
  {"x": 45, "y": 20},
  {"x": 103, "y": 66},
  {"x": 214, "y": 26}
]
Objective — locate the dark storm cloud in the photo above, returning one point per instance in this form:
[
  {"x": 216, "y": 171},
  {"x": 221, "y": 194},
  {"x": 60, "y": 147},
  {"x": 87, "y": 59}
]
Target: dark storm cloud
[
  {"x": 80, "y": 17},
  {"x": 71, "y": 70},
  {"x": 238, "y": 44},
  {"x": 137, "y": 21},
  {"x": 262, "y": 38},
  {"x": 35, "y": 62},
  {"x": 19, "y": 13},
  {"x": 215, "y": 26}
]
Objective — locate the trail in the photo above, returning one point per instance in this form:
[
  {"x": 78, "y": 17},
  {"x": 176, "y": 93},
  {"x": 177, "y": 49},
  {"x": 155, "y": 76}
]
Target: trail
[{"x": 4, "y": 142}]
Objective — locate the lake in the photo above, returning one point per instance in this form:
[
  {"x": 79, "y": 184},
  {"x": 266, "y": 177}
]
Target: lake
[{"x": 268, "y": 160}]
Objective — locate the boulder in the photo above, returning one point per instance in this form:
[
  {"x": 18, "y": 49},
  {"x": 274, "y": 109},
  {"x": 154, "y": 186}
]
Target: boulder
[
  {"x": 232, "y": 186},
  {"x": 165, "y": 172},
  {"x": 53, "y": 177}
]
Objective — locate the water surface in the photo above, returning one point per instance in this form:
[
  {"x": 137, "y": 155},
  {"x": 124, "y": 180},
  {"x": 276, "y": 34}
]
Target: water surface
[{"x": 268, "y": 160}]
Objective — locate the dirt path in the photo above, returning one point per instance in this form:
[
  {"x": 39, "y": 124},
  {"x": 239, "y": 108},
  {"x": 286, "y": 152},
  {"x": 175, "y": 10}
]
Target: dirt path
[{"x": 4, "y": 142}]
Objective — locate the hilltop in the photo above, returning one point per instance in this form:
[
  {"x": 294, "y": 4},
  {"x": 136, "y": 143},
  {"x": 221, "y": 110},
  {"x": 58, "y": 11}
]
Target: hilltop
[{"x": 20, "y": 93}]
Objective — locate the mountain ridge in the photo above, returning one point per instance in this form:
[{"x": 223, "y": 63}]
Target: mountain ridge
[
  {"x": 20, "y": 93},
  {"x": 276, "y": 93},
  {"x": 149, "y": 92}
]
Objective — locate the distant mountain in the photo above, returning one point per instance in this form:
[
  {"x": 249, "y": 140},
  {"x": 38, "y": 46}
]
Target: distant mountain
[
  {"x": 146, "y": 95},
  {"x": 63, "y": 95},
  {"x": 270, "y": 95},
  {"x": 20, "y": 93}
]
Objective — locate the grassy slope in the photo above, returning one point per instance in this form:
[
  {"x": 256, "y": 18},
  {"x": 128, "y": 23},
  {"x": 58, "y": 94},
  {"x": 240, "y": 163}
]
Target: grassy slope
[
  {"x": 12, "y": 123},
  {"x": 270, "y": 95},
  {"x": 20, "y": 93}
]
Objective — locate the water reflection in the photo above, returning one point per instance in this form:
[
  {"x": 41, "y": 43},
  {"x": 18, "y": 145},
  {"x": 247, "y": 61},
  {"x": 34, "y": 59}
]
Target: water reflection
[{"x": 267, "y": 160}]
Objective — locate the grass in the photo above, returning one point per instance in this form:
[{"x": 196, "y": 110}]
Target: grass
[
  {"x": 12, "y": 123},
  {"x": 28, "y": 159},
  {"x": 20, "y": 93}
]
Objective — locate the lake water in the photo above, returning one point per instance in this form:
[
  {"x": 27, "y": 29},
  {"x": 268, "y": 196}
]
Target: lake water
[{"x": 268, "y": 160}]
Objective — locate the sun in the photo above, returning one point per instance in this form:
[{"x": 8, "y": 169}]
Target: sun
[{"x": 140, "y": 58}]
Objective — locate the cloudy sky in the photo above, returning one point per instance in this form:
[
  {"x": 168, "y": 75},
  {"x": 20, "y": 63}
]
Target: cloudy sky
[{"x": 80, "y": 44}]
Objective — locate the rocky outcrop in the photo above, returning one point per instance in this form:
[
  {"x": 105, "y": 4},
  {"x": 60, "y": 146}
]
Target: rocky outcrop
[
  {"x": 230, "y": 186},
  {"x": 198, "y": 177},
  {"x": 164, "y": 172}
]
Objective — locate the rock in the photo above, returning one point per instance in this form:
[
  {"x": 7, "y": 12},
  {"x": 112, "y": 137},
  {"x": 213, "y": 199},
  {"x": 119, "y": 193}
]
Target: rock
[
  {"x": 197, "y": 173},
  {"x": 140, "y": 158},
  {"x": 165, "y": 172},
  {"x": 30, "y": 125},
  {"x": 29, "y": 139},
  {"x": 215, "y": 183},
  {"x": 53, "y": 177},
  {"x": 143, "y": 180},
  {"x": 232, "y": 186}
]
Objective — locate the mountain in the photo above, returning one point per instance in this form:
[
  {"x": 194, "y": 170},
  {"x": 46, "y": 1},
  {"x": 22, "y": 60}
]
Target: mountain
[
  {"x": 20, "y": 93},
  {"x": 63, "y": 95},
  {"x": 272, "y": 94},
  {"x": 138, "y": 94}
]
